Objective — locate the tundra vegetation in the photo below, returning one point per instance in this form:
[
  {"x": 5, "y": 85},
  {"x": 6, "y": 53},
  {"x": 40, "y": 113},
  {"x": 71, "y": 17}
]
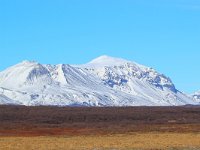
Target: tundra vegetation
[{"x": 45, "y": 127}]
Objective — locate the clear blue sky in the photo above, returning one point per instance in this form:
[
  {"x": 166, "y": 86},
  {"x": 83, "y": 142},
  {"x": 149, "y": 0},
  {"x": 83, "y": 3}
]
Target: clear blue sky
[{"x": 163, "y": 34}]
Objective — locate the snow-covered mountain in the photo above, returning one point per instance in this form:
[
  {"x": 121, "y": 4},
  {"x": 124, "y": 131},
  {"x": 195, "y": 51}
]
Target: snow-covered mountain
[
  {"x": 104, "y": 81},
  {"x": 196, "y": 96}
]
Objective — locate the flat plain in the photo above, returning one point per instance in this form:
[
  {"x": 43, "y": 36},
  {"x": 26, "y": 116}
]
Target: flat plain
[{"x": 148, "y": 128}]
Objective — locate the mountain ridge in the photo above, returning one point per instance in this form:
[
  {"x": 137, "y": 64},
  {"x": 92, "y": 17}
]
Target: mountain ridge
[{"x": 105, "y": 81}]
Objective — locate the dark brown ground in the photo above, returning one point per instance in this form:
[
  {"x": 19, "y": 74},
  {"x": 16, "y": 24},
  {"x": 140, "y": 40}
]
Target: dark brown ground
[{"x": 34, "y": 121}]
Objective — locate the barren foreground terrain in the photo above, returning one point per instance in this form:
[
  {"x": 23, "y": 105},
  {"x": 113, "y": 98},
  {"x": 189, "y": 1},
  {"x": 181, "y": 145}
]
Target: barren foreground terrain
[
  {"x": 153, "y": 141},
  {"x": 167, "y": 128}
]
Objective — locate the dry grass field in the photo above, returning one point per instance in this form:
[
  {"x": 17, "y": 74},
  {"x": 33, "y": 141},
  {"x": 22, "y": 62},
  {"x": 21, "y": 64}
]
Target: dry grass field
[
  {"x": 130, "y": 128},
  {"x": 146, "y": 141}
]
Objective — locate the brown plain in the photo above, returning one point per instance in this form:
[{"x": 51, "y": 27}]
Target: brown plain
[{"x": 44, "y": 128}]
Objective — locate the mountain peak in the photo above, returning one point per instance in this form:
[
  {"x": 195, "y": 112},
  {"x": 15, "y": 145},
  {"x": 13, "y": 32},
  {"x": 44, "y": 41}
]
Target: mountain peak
[
  {"x": 105, "y": 60},
  {"x": 25, "y": 62}
]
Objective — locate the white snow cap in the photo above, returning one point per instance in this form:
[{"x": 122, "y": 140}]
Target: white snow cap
[{"x": 108, "y": 61}]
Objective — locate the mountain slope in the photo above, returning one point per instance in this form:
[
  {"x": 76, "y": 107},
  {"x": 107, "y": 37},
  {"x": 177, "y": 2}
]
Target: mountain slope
[
  {"x": 7, "y": 101},
  {"x": 137, "y": 80},
  {"x": 105, "y": 81},
  {"x": 31, "y": 83}
]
